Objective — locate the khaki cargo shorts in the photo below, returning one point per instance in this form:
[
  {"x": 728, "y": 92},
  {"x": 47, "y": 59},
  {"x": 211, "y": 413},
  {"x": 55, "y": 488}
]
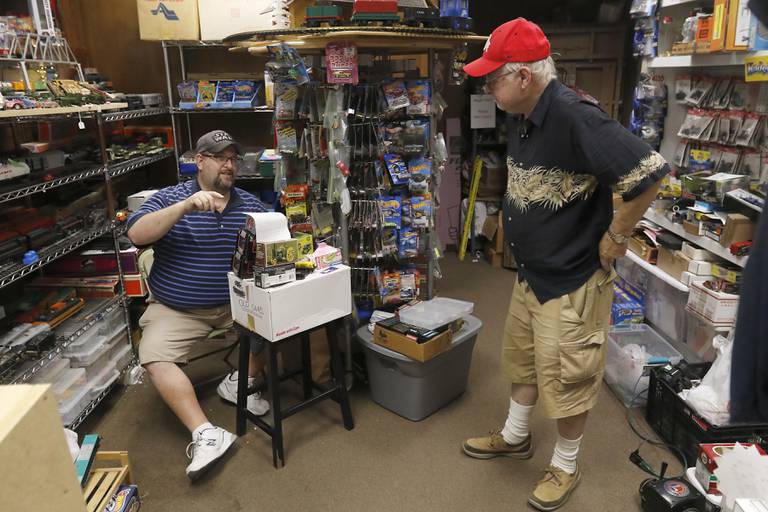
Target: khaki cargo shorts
[
  {"x": 168, "y": 334},
  {"x": 560, "y": 345}
]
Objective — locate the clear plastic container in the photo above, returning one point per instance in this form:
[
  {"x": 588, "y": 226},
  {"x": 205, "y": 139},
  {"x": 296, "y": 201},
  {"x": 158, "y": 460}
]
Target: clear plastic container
[
  {"x": 435, "y": 313},
  {"x": 121, "y": 355},
  {"x": 115, "y": 319},
  {"x": 630, "y": 349},
  {"x": 103, "y": 380},
  {"x": 71, "y": 408},
  {"x": 52, "y": 372},
  {"x": 68, "y": 384},
  {"x": 85, "y": 355},
  {"x": 700, "y": 334},
  {"x": 104, "y": 356}
]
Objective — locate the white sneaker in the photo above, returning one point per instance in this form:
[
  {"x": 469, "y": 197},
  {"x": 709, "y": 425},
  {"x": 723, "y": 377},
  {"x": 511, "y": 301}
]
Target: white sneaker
[
  {"x": 227, "y": 390},
  {"x": 208, "y": 446}
]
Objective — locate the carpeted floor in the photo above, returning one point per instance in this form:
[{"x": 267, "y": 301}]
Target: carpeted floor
[{"x": 386, "y": 463}]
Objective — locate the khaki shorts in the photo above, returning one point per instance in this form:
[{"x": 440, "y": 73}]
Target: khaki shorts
[
  {"x": 560, "y": 345},
  {"x": 168, "y": 334}
]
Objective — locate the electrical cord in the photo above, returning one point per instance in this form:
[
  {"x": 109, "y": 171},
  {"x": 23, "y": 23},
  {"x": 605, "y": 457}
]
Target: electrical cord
[{"x": 635, "y": 456}]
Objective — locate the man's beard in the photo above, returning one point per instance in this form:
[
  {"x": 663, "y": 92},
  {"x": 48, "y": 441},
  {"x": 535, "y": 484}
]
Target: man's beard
[{"x": 221, "y": 186}]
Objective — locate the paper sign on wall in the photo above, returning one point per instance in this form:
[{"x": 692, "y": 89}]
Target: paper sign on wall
[{"x": 482, "y": 109}]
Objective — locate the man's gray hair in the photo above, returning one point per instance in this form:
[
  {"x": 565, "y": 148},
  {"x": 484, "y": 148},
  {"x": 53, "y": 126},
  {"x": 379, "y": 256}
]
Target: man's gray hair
[{"x": 543, "y": 71}]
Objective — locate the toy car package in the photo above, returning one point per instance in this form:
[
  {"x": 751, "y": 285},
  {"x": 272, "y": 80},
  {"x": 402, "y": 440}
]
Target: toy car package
[
  {"x": 286, "y": 137},
  {"x": 390, "y": 287},
  {"x": 409, "y": 243},
  {"x": 409, "y": 284},
  {"x": 126, "y": 499},
  {"x": 286, "y": 65},
  {"x": 420, "y": 170},
  {"x": 285, "y": 105},
  {"x": 405, "y": 212},
  {"x": 207, "y": 91},
  {"x": 419, "y": 96},
  {"x": 341, "y": 63},
  {"x": 187, "y": 91},
  {"x": 225, "y": 92},
  {"x": 391, "y": 134},
  {"x": 416, "y": 137},
  {"x": 396, "y": 95},
  {"x": 421, "y": 211},
  {"x": 398, "y": 171},
  {"x": 389, "y": 239},
  {"x": 390, "y": 211}
]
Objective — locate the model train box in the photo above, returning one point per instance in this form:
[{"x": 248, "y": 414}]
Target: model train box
[
  {"x": 177, "y": 20},
  {"x": 274, "y": 276},
  {"x": 272, "y": 254},
  {"x": 415, "y": 342}
]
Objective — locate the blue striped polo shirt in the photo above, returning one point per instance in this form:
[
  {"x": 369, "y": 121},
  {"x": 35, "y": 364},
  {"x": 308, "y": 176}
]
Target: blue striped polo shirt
[{"x": 193, "y": 258}]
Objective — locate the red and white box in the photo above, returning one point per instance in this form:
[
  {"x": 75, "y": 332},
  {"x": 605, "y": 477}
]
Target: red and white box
[{"x": 706, "y": 464}]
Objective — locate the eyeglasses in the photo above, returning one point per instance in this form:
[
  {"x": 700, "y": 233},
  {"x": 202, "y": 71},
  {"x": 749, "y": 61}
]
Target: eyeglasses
[
  {"x": 489, "y": 84},
  {"x": 221, "y": 159}
]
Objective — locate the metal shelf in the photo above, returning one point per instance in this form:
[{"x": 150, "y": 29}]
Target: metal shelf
[
  {"x": 47, "y": 185},
  {"x": 16, "y": 271},
  {"x": 673, "y": 3},
  {"x": 701, "y": 241},
  {"x": 703, "y": 60},
  {"x": 62, "y": 342},
  {"x": 266, "y": 110},
  {"x": 56, "y": 113},
  {"x": 96, "y": 401},
  {"x": 656, "y": 271},
  {"x": 115, "y": 170},
  {"x": 134, "y": 114}
]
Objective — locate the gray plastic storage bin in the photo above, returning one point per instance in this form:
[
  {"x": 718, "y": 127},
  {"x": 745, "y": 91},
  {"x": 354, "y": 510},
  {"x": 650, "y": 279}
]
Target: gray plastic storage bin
[{"x": 412, "y": 389}]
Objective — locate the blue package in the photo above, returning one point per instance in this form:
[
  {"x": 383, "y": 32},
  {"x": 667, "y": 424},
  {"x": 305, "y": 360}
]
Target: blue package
[
  {"x": 421, "y": 211},
  {"x": 420, "y": 171},
  {"x": 126, "y": 499},
  {"x": 390, "y": 211},
  {"x": 758, "y": 36},
  {"x": 409, "y": 243},
  {"x": 626, "y": 309},
  {"x": 398, "y": 171}
]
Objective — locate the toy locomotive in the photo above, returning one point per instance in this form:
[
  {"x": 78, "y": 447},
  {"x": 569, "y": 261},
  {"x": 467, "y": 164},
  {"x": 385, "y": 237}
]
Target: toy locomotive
[
  {"x": 452, "y": 15},
  {"x": 365, "y": 12},
  {"x": 323, "y": 13}
]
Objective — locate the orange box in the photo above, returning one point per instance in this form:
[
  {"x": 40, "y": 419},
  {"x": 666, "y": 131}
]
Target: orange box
[
  {"x": 719, "y": 26},
  {"x": 739, "y": 21}
]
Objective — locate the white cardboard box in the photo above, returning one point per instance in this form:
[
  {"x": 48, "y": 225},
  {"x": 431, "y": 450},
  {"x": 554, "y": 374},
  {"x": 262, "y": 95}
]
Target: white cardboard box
[
  {"x": 700, "y": 268},
  {"x": 695, "y": 253},
  {"x": 136, "y": 200},
  {"x": 689, "y": 277},
  {"x": 222, "y": 18},
  {"x": 283, "y": 311},
  {"x": 719, "y": 308}
]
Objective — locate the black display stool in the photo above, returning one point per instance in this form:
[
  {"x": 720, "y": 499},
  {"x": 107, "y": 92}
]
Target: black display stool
[{"x": 336, "y": 390}]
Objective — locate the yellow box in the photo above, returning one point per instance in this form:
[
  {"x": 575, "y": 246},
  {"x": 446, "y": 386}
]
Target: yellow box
[
  {"x": 719, "y": 26},
  {"x": 168, "y": 20},
  {"x": 739, "y": 24}
]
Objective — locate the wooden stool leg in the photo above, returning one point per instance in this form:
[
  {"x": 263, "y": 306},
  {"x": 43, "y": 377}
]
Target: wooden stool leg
[
  {"x": 242, "y": 382},
  {"x": 306, "y": 366},
  {"x": 337, "y": 372},
  {"x": 278, "y": 457}
]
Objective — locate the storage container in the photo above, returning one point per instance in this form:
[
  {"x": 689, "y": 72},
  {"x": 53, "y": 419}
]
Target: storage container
[
  {"x": 103, "y": 380},
  {"x": 435, "y": 313},
  {"x": 700, "y": 334},
  {"x": 68, "y": 383},
  {"x": 121, "y": 355},
  {"x": 415, "y": 390},
  {"x": 630, "y": 349},
  {"x": 52, "y": 372},
  {"x": 679, "y": 424},
  {"x": 82, "y": 355},
  {"x": 113, "y": 320},
  {"x": 664, "y": 304},
  {"x": 76, "y": 404}
]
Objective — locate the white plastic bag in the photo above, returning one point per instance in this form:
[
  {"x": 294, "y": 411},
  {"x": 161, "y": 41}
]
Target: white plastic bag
[{"x": 712, "y": 397}]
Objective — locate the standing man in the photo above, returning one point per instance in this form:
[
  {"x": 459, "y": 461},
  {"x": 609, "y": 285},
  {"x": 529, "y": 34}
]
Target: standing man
[
  {"x": 193, "y": 228},
  {"x": 565, "y": 158}
]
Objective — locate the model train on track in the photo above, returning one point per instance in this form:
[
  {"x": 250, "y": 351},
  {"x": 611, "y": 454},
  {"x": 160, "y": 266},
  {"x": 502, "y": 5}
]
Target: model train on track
[{"x": 453, "y": 14}]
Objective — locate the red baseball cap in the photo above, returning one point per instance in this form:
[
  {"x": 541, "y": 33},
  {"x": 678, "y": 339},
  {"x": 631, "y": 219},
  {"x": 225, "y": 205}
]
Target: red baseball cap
[{"x": 518, "y": 40}]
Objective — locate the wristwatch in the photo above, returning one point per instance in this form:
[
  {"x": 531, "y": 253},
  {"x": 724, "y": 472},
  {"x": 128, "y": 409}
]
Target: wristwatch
[{"x": 618, "y": 238}]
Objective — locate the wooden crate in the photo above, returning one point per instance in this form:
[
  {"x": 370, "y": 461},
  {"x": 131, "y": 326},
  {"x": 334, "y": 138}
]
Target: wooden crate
[{"x": 111, "y": 469}]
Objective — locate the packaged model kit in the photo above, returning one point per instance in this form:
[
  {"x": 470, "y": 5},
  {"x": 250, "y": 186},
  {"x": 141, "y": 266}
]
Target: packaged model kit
[{"x": 270, "y": 254}]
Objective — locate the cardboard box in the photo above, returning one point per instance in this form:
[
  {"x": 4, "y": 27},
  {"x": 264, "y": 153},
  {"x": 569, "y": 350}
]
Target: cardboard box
[
  {"x": 493, "y": 257},
  {"x": 738, "y": 228},
  {"x": 273, "y": 254},
  {"x": 136, "y": 200},
  {"x": 280, "y": 312},
  {"x": 673, "y": 263},
  {"x": 717, "y": 307},
  {"x": 92, "y": 262},
  {"x": 719, "y": 26},
  {"x": 509, "y": 258},
  {"x": 274, "y": 276},
  {"x": 32, "y": 444},
  {"x": 168, "y": 20},
  {"x": 222, "y": 18},
  {"x": 696, "y": 253},
  {"x": 625, "y": 308},
  {"x": 693, "y": 228},
  {"x": 414, "y": 342},
  {"x": 689, "y": 277},
  {"x": 739, "y": 25},
  {"x": 493, "y": 231},
  {"x": 706, "y": 463},
  {"x": 639, "y": 246},
  {"x": 729, "y": 273}
]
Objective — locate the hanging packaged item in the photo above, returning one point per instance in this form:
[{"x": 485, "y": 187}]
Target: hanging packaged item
[
  {"x": 643, "y": 8},
  {"x": 286, "y": 65},
  {"x": 396, "y": 95},
  {"x": 421, "y": 211},
  {"x": 409, "y": 243},
  {"x": 398, "y": 171},
  {"x": 645, "y": 39},
  {"x": 390, "y": 211},
  {"x": 420, "y": 172},
  {"x": 286, "y": 137},
  {"x": 419, "y": 96},
  {"x": 285, "y": 102},
  {"x": 341, "y": 63},
  {"x": 701, "y": 89},
  {"x": 416, "y": 137},
  {"x": 409, "y": 284},
  {"x": 389, "y": 288}
]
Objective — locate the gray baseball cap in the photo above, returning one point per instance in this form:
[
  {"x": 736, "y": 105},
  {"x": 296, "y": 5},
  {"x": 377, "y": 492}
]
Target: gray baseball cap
[{"x": 216, "y": 142}]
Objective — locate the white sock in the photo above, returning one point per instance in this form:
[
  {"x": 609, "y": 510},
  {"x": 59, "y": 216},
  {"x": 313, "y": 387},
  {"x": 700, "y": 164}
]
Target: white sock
[
  {"x": 251, "y": 380},
  {"x": 199, "y": 430},
  {"x": 516, "y": 427},
  {"x": 566, "y": 453}
]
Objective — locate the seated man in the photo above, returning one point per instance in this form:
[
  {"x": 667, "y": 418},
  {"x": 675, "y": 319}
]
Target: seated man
[{"x": 193, "y": 229}]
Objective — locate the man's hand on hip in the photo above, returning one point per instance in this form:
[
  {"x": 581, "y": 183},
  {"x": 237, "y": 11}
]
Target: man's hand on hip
[
  {"x": 609, "y": 251},
  {"x": 205, "y": 201}
]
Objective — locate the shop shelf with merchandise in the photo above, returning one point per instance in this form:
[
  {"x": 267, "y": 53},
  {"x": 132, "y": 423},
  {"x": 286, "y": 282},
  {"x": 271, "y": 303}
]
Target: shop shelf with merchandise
[{"x": 717, "y": 59}]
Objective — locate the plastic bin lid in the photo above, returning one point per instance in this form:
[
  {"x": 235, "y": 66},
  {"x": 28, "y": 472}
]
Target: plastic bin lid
[
  {"x": 85, "y": 352},
  {"x": 642, "y": 334},
  {"x": 470, "y": 328},
  {"x": 431, "y": 314}
]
